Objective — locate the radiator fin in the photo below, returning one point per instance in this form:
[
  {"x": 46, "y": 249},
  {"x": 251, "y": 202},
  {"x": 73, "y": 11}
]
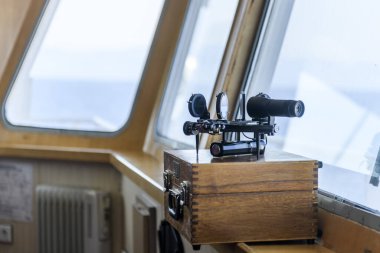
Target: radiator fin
[{"x": 66, "y": 216}]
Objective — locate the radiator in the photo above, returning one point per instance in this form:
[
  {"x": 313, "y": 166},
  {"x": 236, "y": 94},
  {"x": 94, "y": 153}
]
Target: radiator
[{"x": 73, "y": 220}]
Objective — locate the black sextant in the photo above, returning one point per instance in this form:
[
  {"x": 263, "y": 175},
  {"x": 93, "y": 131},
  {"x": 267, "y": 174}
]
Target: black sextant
[{"x": 261, "y": 109}]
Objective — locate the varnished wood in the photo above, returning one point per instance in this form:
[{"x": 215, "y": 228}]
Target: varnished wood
[
  {"x": 26, "y": 17},
  {"x": 247, "y": 217},
  {"x": 237, "y": 199},
  {"x": 131, "y": 137},
  {"x": 204, "y": 157},
  {"x": 11, "y": 17},
  {"x": 55, "y": 153},
  {"x": 338, "y": 235},
  {"x": 342, "y": 235},
  {"x": 143, "y": 169},
  {"x": 239, "y": 174},
  {"x": 283, "y": 248},
  {"x": 249, "y": 182},
  {"x": 254, "y": 177}
]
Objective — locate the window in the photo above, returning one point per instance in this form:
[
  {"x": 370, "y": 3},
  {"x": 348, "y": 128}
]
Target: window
[
  {"x": 326, "y": 54},
  {"x": 196, "y": 64},
  {"x": 83, "y": 66}
]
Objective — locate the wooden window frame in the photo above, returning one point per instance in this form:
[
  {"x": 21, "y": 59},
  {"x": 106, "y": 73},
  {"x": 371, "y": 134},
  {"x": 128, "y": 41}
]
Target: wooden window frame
[{"x": 133, "y": 136}]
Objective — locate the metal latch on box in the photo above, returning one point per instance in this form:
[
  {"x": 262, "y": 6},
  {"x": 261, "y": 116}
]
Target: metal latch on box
[{"x": 178, "y": 197}]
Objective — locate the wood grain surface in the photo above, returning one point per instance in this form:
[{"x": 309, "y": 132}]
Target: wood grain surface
[
  {"x": 238, "y": 200},
  {"x": 343, "y": 235},
  {"x": 254, "y": 217},
  {"x": 254, "y": 177},
  {"x": 283, "y": 248},
  {"x": 204, "y": 157}
]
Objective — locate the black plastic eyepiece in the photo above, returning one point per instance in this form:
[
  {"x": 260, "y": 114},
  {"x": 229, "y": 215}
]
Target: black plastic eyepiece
[
  {"x": 197, "y": 106},
  {"x": 262, "y": 106},
  {"x": 188, "y": 128}
]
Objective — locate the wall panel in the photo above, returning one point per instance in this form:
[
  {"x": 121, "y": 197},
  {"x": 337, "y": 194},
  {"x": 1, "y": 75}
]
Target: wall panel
[{"x": 88, "y": 175}]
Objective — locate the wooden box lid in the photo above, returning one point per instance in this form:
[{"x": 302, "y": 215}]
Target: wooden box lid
[{"x": 276, "y": 171}]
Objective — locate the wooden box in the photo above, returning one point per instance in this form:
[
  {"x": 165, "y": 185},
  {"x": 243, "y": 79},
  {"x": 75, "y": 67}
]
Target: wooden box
[{"x": 239, "y": 199}]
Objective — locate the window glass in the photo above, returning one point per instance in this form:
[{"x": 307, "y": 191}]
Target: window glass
[
  {"x": 329, "y": 58},
  {"x": 84, "y": 64},
  {"x": 195, "y": 68}
]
